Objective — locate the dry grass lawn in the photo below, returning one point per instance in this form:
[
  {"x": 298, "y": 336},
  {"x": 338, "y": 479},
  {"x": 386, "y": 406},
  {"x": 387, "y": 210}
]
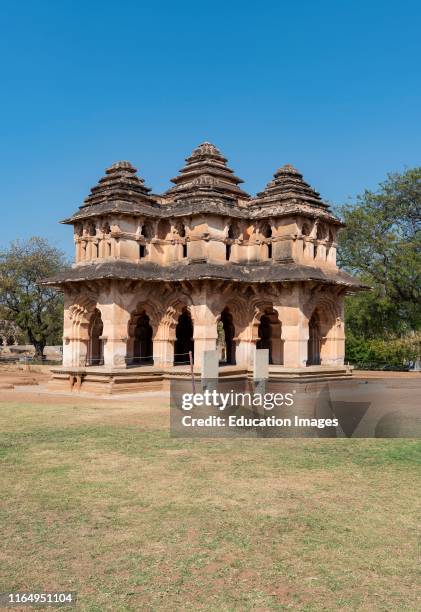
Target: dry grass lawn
[{"x": 97, "y": 498}]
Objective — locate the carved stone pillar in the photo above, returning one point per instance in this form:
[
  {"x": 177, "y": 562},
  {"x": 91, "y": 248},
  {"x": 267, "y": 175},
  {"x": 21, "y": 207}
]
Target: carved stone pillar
[
  {"x": 331, "y": 255},
  {"x": 246, "y": 347},
  {"x": 67, "y": 337},
  {"x": 115, "y": 318},
  {"x": 294, "y": 329},
  {"x": 80, "y": 349},
  {"x": 204, "y": 331},
  {"x": 332, "y": 350},
  {"x": 321, "y": 252},
  {"x": 163, "y": 345},
  {"x": 77, "y": 315}
]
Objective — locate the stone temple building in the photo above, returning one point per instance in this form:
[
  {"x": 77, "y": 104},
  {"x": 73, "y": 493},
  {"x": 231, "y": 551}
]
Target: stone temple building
[{"x": 157, "y": 276}]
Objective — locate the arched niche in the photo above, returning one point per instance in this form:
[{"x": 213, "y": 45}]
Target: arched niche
[
  {"x": 91, "y": 229},
  {"x": 146, "y": 230},
  {"x": 314, "y": 340},
  {"x": 181, "y": 230},
  {"x": 226, "y": 337},
  {"x": 232, "y": 233},
  {"x": 140, "y": 338},
  {"x": 266, "y": 232},
  {"x": 325, "y": 331},
  {"x": 184, "y": 342},
  {"x": 95, "y": 355},
  {"x": 269, "y": 336}
]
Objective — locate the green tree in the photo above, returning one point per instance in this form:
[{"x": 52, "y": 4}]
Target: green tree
[
  {"x": 382, "y": 244},
  {"x": 37, "y": 310}
]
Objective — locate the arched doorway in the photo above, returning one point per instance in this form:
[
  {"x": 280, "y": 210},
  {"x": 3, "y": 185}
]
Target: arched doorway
[
  {"x": 269, "y": 337},
  {"x": 143, "y": 345},
  {"x": 314, "y": 343},
  {"x": 95, "y": 345},
  {"x": 184, "y": 338},
  {"x": 227, "y": 330}
]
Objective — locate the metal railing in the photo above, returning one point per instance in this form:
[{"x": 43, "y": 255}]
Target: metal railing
[
  {"x": 94, "y": 361},
  {"x": 150, "y": 359}
]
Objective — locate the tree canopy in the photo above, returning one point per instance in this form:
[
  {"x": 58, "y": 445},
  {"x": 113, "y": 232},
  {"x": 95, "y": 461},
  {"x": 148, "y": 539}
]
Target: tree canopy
[
  {"x": 382, "y": 244},
  {"x": 37, "y": 310}
]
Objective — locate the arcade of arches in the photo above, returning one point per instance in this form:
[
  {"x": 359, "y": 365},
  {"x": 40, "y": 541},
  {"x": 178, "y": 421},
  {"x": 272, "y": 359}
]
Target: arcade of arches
[{"x": 300, "y": 326}]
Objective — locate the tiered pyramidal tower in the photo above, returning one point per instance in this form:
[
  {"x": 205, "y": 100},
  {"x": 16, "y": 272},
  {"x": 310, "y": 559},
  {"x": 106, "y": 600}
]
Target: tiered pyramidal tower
[
  {"x": 120, "y": 182},
  {"x": 289, "y": 187},
  {"x": 206, "y": 175}
]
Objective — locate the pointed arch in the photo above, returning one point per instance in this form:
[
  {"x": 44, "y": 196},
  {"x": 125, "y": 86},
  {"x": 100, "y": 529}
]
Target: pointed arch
[
  {"x": 267, "y": 233},
  {"x": 141, "y": 329},
  {"x": 184, "y": 342},
  {"x": 314, "y": 340},
  {"x": 325, "y": 326},
  {"x": 95, "y": 345},
  {"x": 227, "y": 336},
  {"x": 267, "y": 331},
  {"x": 142, "y": 340}
]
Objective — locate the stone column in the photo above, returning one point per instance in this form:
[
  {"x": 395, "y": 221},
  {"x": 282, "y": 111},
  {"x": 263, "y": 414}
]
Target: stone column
[
  {"x": 115, "y": 319},
  {"x": 89, "y": 247},
  {"x": 246, "y": 347},
  {"x": 163, "y": 345},
  {"x": 321, "y": 251},
  {"x": 331, "y": 256},
  {"x": 78, "y": 248},
  {"x": 68, "y": 339},
  {"x": 75, "y": 334},
  {"x": 333, "y": 350},
  {"x": 204, "y": 331},
  {"x": 294, "y": 329},
  {"x": 307, "y": 249},
  {"x": 80, "y": 349},
  {"x": 333, "y": 342}
]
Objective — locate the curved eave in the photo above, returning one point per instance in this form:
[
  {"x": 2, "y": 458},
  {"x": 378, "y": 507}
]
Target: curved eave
[
  {"x": 250, "y": 273},
  {"x": 198, "y": 206}
]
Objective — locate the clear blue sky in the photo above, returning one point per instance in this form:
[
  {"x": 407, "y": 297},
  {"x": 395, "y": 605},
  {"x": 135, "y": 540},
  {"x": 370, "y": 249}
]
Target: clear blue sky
[{"x": 332, "y": 87}]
